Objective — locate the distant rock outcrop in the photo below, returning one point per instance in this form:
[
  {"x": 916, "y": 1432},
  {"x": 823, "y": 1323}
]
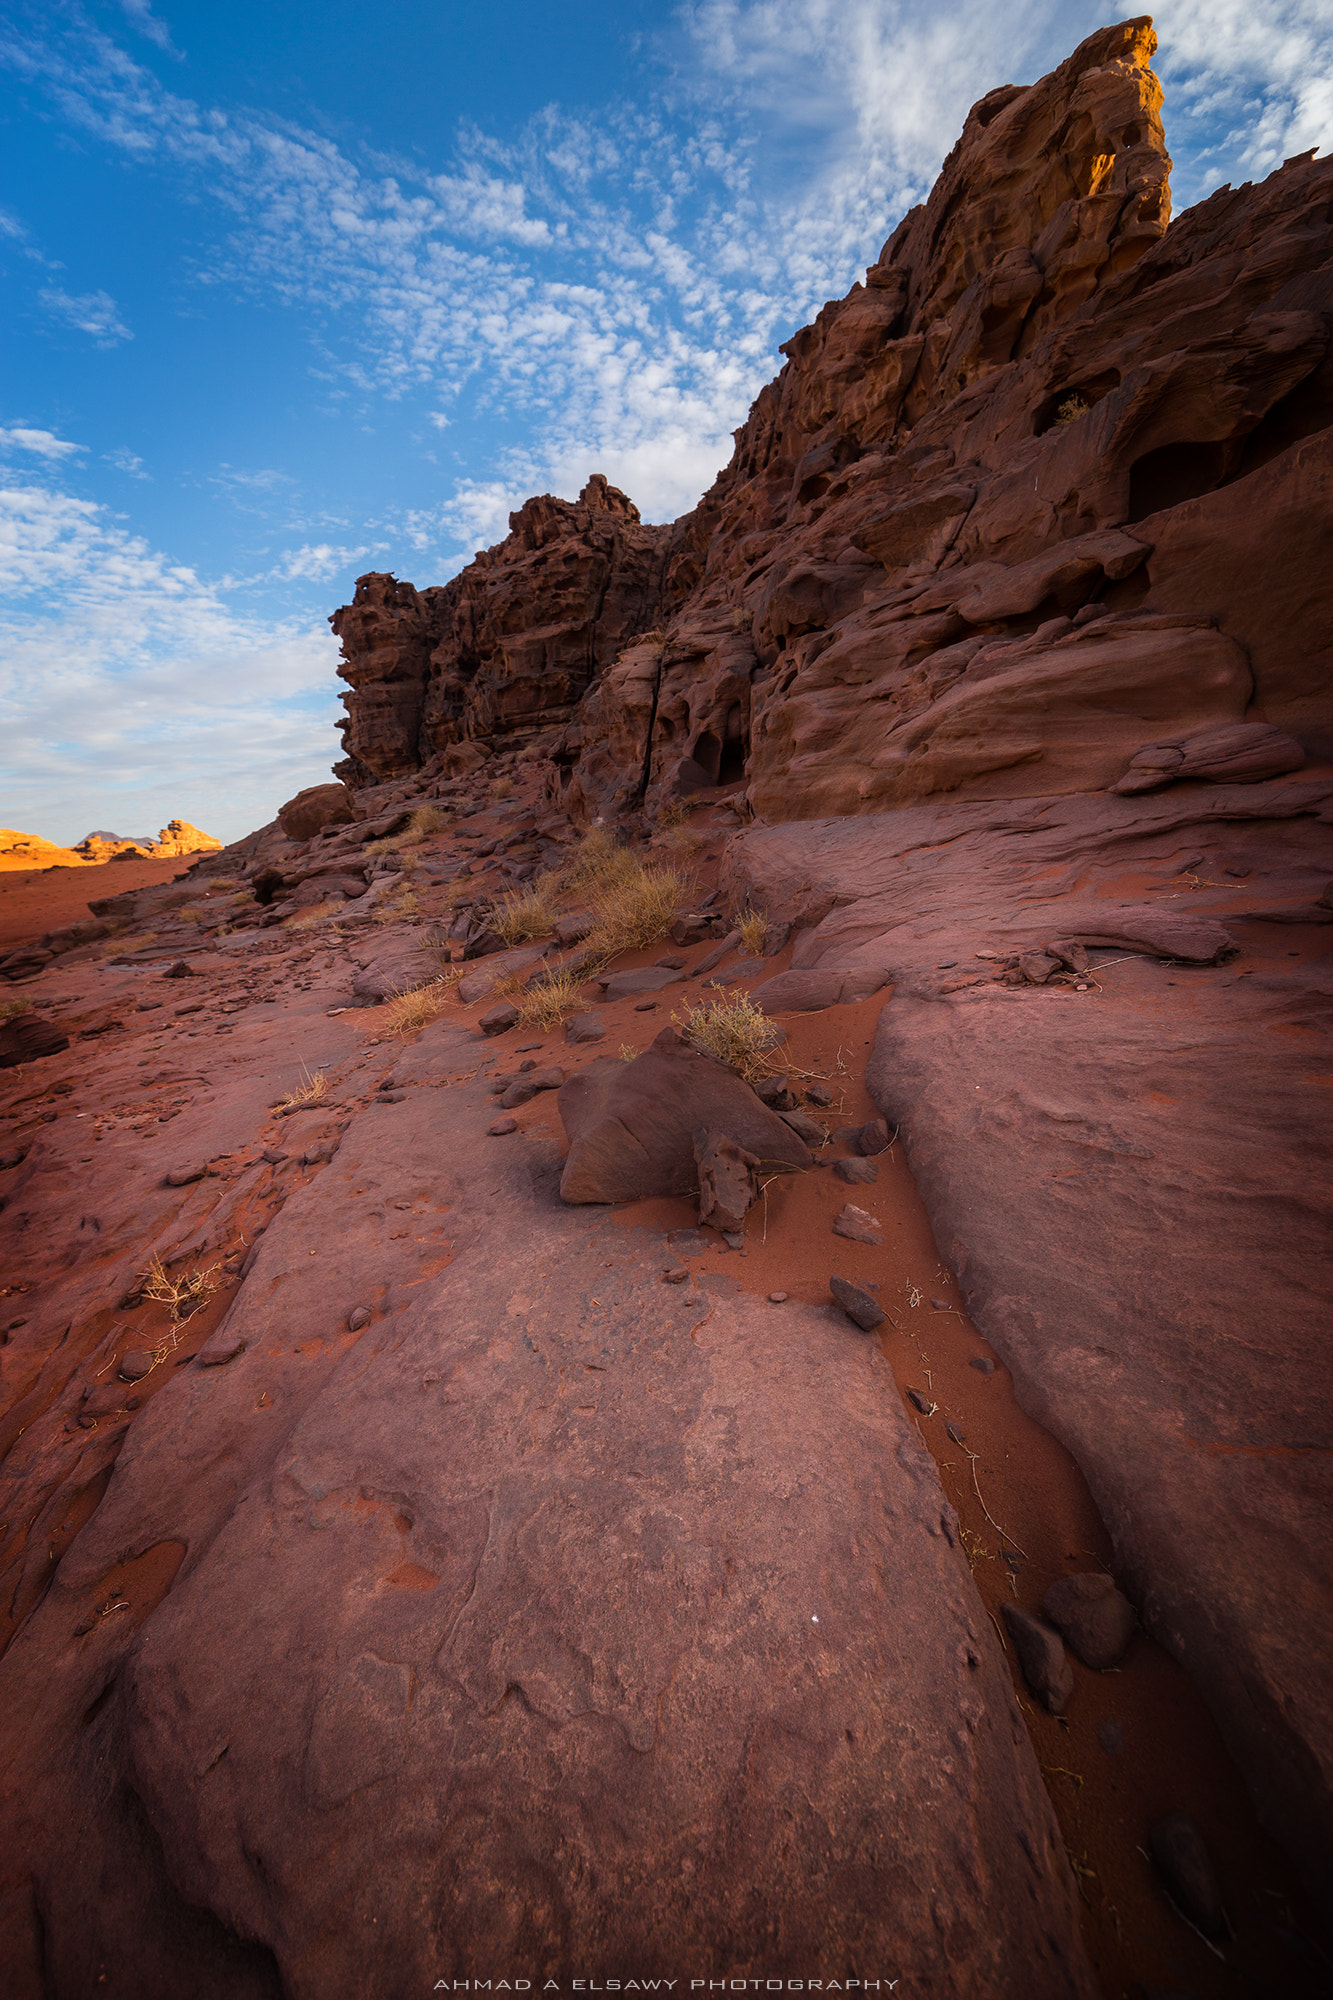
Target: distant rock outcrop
[
  {"x": 29, "y": 850},
  {"x": 509, "y": 646}
]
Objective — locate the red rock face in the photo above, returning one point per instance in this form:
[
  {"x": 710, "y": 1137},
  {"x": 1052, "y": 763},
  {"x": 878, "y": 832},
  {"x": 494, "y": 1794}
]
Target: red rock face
[
  {"x": 1046, "y": 487},
  {"x": 509, "y": 646}
]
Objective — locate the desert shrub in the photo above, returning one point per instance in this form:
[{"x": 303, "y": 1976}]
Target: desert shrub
[
  {"x": 182, "y": 1296},
  {"x": 426, "y": 820},
  {"x": 754, "y": 932},
  {"x": 307, "y": 1092},
  {"x": 524, "y": 916},
  {"x": 1071, "y": 409},
  {"x": 9, "y": 1008},
  {"x": 416, "y": 1006},
  {"x": 731, "y": 1028},
  {"x": 673, "y": 812},
  {"x": 500, "y": 788},
  {"x": 546, "y": 1006},
  {"x": 631, "y": 910}
]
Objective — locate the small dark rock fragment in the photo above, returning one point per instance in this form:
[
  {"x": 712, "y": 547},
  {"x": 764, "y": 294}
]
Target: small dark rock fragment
[
  {"x": 182, "y": 1176},
  {"x": 954, "y": 1433},
  {"x": 728, "y": 1181},
  {"x": 135, "y": 1365},
  {"x": 499, "y": 1126},
  {"x": 777, "y": 1298},
  {"x": 584, "y": 1028},
  {"x": 819, "y": 1093},
  {"x": 939, "y": 1305},
  {"x": 1097, "y": 1620},
  {"x": 180, "y": 970},
  {"x": 677, "y": 1275},
  {"x": 983, "y": 1364},
  {"x": 856, "y": 1172},
  {"x": 498, "y": 1020},
  {"x": 1041, "y": 1655},
  {"x": 921, "y": 1401},
  {"x": 870, "y": 1138},
  {"x": 857, "y": 1304},
  {"x": 356, "y": 1320},
  {"x": 805, "y": 1127},
  {"x": 1181, "y": 1853}
]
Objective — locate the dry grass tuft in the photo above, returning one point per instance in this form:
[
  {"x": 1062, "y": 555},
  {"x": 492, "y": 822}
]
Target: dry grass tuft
[
  {"x": 521, "y": 918},
  {"x": 501, "y": 788},
  {"x": 426, "y": 820},
  {"x": 395, "y": 907},
  {"x": 1072, "y": 408},
  {"x": 307, "y": 1092},
  {"x": 733, "y": 1029},
  {"x": 674, "y": 812},
  {"x": 9, "y": 1008},
  {"x": 415, "y": 1007},
  {"x": 631, "y": 910},
  {"x": 388, "y": 843},
  {"x": 754, "y": 932},
  {"x": 598, "y": 859},
  {"x": 548, "y": 1005},
  {"x": 183, "y": 1295}
]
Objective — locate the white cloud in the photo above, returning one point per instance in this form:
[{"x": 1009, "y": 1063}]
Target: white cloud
[
  {"x": 316, "y": 563},
  {"x": 134, "y": 692},
  {"x": 127, "y": 461},
  {"x": 141, "y": 16},
  {"x": 44, "y": 444},
  {"x": 93, "y": 313}
]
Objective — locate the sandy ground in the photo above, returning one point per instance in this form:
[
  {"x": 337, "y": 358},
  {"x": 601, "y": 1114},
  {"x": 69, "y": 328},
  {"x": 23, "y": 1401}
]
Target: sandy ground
[{"x": 1135, "y": 1744}]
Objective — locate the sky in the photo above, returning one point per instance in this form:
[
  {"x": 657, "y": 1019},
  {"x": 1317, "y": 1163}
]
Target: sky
[{"x": 295, "y": 292}]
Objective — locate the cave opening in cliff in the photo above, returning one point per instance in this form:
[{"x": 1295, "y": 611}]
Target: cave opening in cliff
[{"x": 1173, "y": 473}]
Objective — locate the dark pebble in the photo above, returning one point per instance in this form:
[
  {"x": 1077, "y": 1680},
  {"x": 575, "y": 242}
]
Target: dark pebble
[
  {"x": 1041, "y": 1655},
  {"x": 499, "y": 1126},
  {"x": 921, "y": 1401},
  {"x": 857, "y": 1304},
  {"x": 1181, "y": 1854},
  {"x": 983, "y": 1364}
]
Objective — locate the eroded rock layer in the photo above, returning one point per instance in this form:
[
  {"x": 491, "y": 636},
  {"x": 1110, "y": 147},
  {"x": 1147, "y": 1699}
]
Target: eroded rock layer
[{"x": 509, "y": 646}]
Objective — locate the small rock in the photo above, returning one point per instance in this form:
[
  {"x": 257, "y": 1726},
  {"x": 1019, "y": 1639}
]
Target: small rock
[
  {"x": 1111, "y": 1737},
  {"x": 955, "y": 1434},
  {"x": 105, "y": 1403},
  {"x": 676, "y": 1275},
  {"x": 522, "y": 1048},
  {"x": 523, "y": 1067},
  {"x": 858, "y": 1226},
  {"x": 180, "y": 970},
  {"x": 772, "y": 1091},
  {"x": 1097, "y": 1620},
  {"x": 361, "y": 1317},
  {"x": 648, "y": 979},
  {"x": 1041, "y": 1655},
  {"x": 921, "y": 1401},
  {"x": 195, "y": 1007},
  {"x": 500, "y": 1126},
  {"x": 945, "y": 964},
  {"x": 734, "y": 1239},
  {"x": 182, "y": 1176},
  {"x": 671, "y": 962},
  {"x": 805, "y": 1127},
  {"x": 135, "y": 1365},
  {"x": 216, "y": 1353},
  {"x": 870, "y": 1138},
  {"x": 939, "y": 1305},
  {"x": 274, "y": 1157},
  {"x": 819, "y": 1093},
  {"x": 777, "y": 1298},
  {"x": 856, "y": 1172},
  {"x": 857, "y": 1304},
  {"x": 690, "y": 929},
  {"x": 498, "y": 1020},
  {"x": 983, "y": 1364},
  {"x": 728, "y": 1182},
  {"x": 584, "y": 1028},
  {"x": 645, "y": 1006},
  {"x": 1181, "y": 1853},
  {"x": 518, "y": 1093}
]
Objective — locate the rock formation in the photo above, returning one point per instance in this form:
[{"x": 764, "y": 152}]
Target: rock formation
[
  {"x": 506, "y": 649},
  {"x": 472, "y": 1582}
]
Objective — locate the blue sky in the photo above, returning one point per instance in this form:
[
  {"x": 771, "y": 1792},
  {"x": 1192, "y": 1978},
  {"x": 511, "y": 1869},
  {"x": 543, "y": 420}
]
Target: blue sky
[{"x": 293, "y": 292}]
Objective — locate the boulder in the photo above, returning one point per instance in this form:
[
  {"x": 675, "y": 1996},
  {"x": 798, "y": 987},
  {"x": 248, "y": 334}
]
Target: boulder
[
  {"x": 26, "y": 1038},
  {"x": 631, "y": 1126},
  {"x": 314, "y": 809},
  {"x": 1241, "y": 753},
  {"x": 1095, "y": 1619}
]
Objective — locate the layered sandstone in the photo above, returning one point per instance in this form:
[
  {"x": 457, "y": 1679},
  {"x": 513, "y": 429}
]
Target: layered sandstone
[{"x": 507, "y": 648}]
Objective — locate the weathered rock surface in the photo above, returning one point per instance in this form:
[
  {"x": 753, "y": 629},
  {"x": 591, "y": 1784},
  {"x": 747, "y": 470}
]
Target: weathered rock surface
[
  {"x": 1131, "y": 1184},
  {"x": 314, "y": 809},
  {"x": 728, "y": 1180},
  {"x": 414, "y": 1659},
  {"x": 631, "y": 1126},
  {"x": 507, "y": 648}
]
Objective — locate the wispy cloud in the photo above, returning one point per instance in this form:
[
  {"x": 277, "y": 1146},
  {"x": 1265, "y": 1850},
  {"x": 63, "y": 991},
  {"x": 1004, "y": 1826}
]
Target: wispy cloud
[
  {"x": 317, "y": 562},
  {"x": 141, "y": 16},
  {"x": 126, "y": 461},
  {"x": 93, "y": 313},
  {"x": 43, "y": 444}
]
